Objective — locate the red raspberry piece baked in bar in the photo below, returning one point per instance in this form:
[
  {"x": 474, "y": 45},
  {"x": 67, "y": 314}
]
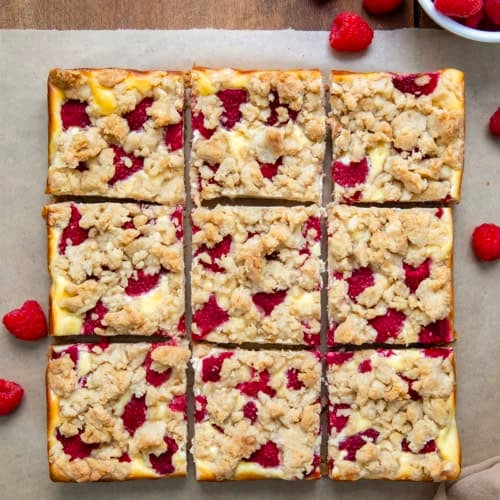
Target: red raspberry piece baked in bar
[
  {"x": 257, "y": 414},
  {"x": 392, "y": 415},
  {"x": 256, "y": 275},
  {"x": 116, "y": 133},
  {"x": 118, "y": 424},
  {"x": 264, "y": 130},
  {"x": 397, "y": 138},
  {"x": 116, "y": 269},
  {"x": 390, "y": 275}
]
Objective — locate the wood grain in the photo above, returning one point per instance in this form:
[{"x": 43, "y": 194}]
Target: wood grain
[{"x": 178, "y": 14}]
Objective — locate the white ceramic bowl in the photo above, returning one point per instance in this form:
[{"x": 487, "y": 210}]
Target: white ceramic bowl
[{"x": 459, "y": 29}]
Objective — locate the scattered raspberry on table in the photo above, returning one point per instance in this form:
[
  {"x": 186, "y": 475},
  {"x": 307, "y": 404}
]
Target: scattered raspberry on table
[
  {"x": 28, "y": 322},
  {"x": 376, "y": 7},
  {"x": 10, "y": 396},
  {"x": 495, "y": 122},
  {"x": 486, "y": 241},
  {"x": 350, "y": 32}
]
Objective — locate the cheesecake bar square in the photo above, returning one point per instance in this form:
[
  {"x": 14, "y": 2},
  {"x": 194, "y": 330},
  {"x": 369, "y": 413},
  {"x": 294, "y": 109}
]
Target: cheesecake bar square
[
  {"x": 257, "y": 414},
  {"x": 392, "y": 415},
  {"x": 390, "y": 275},
  {"x": 116, "y": 269},
  {"x": 116, "y": 411},
  {"x": 256, "y": 275},
  {"x": 397, "y": 137},
  {"x": 116, "y": 133},
  {"x": 257, "y": 134}
]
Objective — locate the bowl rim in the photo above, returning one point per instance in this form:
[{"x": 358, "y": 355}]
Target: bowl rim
[{"x": 455, "y": 27}]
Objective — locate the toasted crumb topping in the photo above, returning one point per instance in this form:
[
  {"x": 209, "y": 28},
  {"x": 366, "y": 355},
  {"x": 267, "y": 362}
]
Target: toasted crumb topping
[
  {"x": 125, "y": 275},
  {"x": 252, "y": 399},
  {"x": 258, "y": 134},
  {"x": 83, "y": 159},
  {"x": 260, "y": 270},
  {"x": 390, "y": 275},
  {"x": 392, "y": 415},
  {"x": 95, "y": 432},
  {"x": 413, "y": 141}
]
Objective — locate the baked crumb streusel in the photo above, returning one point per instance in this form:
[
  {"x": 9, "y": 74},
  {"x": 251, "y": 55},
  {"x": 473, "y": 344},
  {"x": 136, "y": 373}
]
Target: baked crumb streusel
[
  {"x": 116, "y": 411},
  {"x": 116, "y": 269},
  {"x": 257, "y": 414},
  {"x": 392, "y": 415}
]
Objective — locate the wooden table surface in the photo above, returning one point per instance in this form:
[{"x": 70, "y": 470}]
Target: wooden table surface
[{"x": 177, "y": 14}]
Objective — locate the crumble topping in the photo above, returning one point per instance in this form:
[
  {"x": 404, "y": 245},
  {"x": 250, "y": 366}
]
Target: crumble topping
[
  {"x": 258, "y": 134},
  {"x": 397, "y": 137},
  {"x": 256, "y": 274},
  {"x": 116, "y": 133},
  {"x": 116, "y": 269},
  {"x": 257, "y": 414},
  {"x": 392, "y": 415},
  {"x": 114, "y": 412},
  {"x": 390, "y": 275}
]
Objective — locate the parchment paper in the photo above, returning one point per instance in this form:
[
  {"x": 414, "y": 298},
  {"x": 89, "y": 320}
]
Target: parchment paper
[{"x": 26, "y": 59}]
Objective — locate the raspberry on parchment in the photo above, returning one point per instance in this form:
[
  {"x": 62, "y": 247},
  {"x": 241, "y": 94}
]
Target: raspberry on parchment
[
  {"x": 28, "y": 322},
  {"x": 486, "y": 241},
  {"x": 350, "y": 33},
  {"x": 11, "y": 395}
]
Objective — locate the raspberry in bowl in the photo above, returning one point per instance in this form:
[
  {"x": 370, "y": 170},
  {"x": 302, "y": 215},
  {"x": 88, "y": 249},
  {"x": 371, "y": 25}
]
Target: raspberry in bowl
[{"x": 477, "y": 26}]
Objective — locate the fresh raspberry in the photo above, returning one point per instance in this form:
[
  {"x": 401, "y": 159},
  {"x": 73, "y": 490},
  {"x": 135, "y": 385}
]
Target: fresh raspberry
[
  {"x": 176, "y": 218},
  {"x": 73, "y": 114},
  {"x": 486, "y": 241},
  {"x": 268, "y": 455},
  {"x": 312, "y": 224},
  {"x": 270, "y": 170},
  {"x": 417, "y": 84},
  {"x": 353, "y": 443},
  {"x": 458, "y": 8},
  {"x": 162, "y": 464},
  {"x": 350, "y": 175},
  {"x": 250, "y": 411},
  {"x": 179, "y": 403},
  {"x": 437, "y": 352},
  {"x": 428, "y": 447},
  {"x": 152, "y": 376},
  {"x": 492, "y": 10},
  {"x": 473, "y": 21},
  {"x": 10, "y": 396},
  {"x": 125, "y": 164},
  {"x": 198, "y": 123},
  {"x": 495, "y": 123},
  {"x": 414, "y": 395},
  {"x": 436, "y": 333},
  {"x": 212, "y": 365},
  {"x": 376, "y": 7},
  {"x": 389, "y": 325},
  {"x": 350, "y": 32},
  {"x": 415, "y": 275},
  {"x": 138, "y": 116},
  {"x": 144, "y": 283},
  {"x": 338, "y": 358},
  {"x": 266, "y": 302},
  {"x": 174, "y": 136},
  {"x": 274, "y": 104},
  {"x": 28, "y": 322},
  {"x": 216, "y": 252},
  {"x": 360, "y": 279},
  {"x": 71, "y": 351},
  {"x": 73, "y": 232},
  {"x": 209, "y": 317},
  {"x": 336, "y": 421},
  {"x": 134, "y": 414},
  {"x": 200, "y": 408},
  {"x": 253, "y": 387},
  {"x": 293, "y": 382},
  {"x": 231, "y": 100},
  {"x": 74, "y": 446},
  {"x": 93, "y": 318},
  {"x": 365, "y": 366}
]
